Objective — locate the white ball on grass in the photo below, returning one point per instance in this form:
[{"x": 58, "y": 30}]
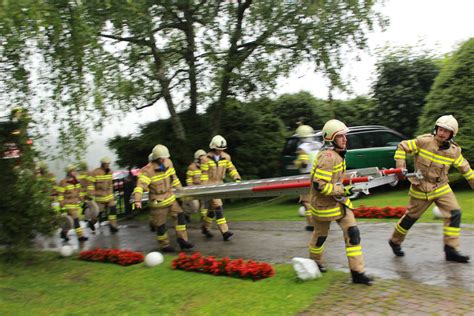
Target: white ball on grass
[
  {"x": 153, "y": 259},
  {"x": 302, "y": 211},
  {"x": 66, "y": 251},
  {"x": 437, "y": 212}
]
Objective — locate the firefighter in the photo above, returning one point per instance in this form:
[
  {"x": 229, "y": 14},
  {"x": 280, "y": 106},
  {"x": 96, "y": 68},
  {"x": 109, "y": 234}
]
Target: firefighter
[
  {"x": 90, "y": 209},
  {"x": 434, "y": 154},
  {"x": 101, "y": 188},
  {"x": 214, "y": 167},
  {"x": 329, "y": 201},
  {"x": 43, "y": 173},
  {"x": 303, "y": 163},
  {"x": 159, "y": 177},
  {"x": 193, "y": 177},
  {"x": 69, "y": 197}
]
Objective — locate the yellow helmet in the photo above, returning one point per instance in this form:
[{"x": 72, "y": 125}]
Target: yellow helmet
[
  {"x": 448, "y": 122},
  {"x": 70, "y": 168},
  {"x": 105, "y": 160},
  {"x": 160, "y": 151},
  {"x": 332, "y": 128},
  {"x": 218, "y": 142},
  {"x": 304, "y": 131},
  {"x": 199, "y": 153},
  {"x": 82, "y": 165}
]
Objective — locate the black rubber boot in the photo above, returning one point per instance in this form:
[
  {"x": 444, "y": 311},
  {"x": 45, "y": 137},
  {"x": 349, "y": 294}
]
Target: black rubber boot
[
  {"x": 454, "y": 255},
  {"x": 360, "y": 278},
  {"x": 227, "y": 235},
  {"x": 206, "y": 232},
  {"x": 64, "y": 236},
  {"x": 113, "y": 229},
  {"x": 152, "y": 227},
  {"x": 167, "y": 249},
  {"x": 397, "y": 249},
  {"x": 309, "y": 228},
  {"x": 83, "y": 238},
  {"x": 321, "y": 268},
  {"x": 184, "y": 244},
  {"x": 187, "y": 219}
]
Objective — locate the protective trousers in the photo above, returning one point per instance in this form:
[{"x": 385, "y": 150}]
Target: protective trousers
[
  {"x": 450, "y": 209},
  {"x": 73, "y": 213},
  {"x": 158, "y": 219},
  {"x": 215, "y": 210},
  {"x": 351, "y": 239},
  {"x": 110, "y": 210}
]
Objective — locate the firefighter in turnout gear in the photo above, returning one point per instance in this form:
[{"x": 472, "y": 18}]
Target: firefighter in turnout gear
[
  {"x": 159, "y": 177},
  {"x": 434, "y": 154},
  {"x": 69, "y": 197},
  {"x": 101, "y": 188},
  {"x": 89, "y": 207},
  {"x": 193, "y": 177},
  {"x": 303, "y": 163},
  {"x": 329, "y": 201},
  {"x": 214, "y": 167}
]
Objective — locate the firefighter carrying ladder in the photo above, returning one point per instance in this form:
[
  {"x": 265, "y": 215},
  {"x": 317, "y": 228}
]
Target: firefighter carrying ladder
[{"x": 361, "y": 179}]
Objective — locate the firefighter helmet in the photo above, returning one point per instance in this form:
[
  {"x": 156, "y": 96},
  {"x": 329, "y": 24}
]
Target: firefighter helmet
[
  {"x": 304, "y": 131},
  {"x": 82, "y": 165},
  {"x": 332, "y": 128},
  {"x": 70, "y": 168},
  {"x": 42, "y": 165},
  {"x": 160, "y": 151},
  {"x": 150, "y": 157},
  {"x": 448, "y": 122},
  {"x": 218, "y": 142},
  {"x": 199, "y": 153},
  {"x": 105, "y": 160}
]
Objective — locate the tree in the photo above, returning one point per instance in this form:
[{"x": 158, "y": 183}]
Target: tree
[
  {"x": 96, "y": 58},
  {"x": 453, "y": 93},
  {"x": 353, "y": 112},
  {"x": 404, "y": 80}
]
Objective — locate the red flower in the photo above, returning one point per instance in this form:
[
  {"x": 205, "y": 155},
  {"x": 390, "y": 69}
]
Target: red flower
[{"x": 121, "y": 257}]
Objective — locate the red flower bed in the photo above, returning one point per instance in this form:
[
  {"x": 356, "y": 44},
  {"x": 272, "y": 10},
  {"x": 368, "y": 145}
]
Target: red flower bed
[
  {"x": 379, "y": 212},
  {"x": 237, "y": 268},
  {"x": 121, "y": 257}
]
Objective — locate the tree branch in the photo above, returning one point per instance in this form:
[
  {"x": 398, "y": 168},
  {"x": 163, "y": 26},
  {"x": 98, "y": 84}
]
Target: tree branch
[
  {"x": 159, "y": 96},
  {"x": 135, "y": 40}
]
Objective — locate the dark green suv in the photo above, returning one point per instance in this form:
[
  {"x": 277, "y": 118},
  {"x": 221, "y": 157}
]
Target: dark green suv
[{"x": 367, "y": 146}]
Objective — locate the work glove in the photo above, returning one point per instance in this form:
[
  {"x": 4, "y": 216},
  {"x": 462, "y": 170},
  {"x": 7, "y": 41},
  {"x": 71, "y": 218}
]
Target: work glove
[
  {"x": 138, "y": 205},
  {"x": 348, "y": 190}
]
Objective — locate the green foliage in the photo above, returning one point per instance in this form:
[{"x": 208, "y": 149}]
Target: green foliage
[
  {"x": 353, "y": 112},
  {"x": 453, "y": 93},
  {"x": 25, "y": 208},
  {"x": 403, "y": 82},
  {"x": 302, "y": 106},
  {"x": 94, "y": 59}
]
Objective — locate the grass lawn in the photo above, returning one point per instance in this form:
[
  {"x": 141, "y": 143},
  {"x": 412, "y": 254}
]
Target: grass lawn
[
  {"x": 286, "y": 208},
  {"x": 49, "y": 284}
]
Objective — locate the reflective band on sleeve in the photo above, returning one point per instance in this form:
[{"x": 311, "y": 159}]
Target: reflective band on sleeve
[
  {"x": 327, "y": 189},
  {"x": 469, "y": 175},
  {"x": 138, "y": 190},
  {"x": 458, "y": 162},
  {"x": 400, "y": 154},
  {"x": 103, "y": 199}
]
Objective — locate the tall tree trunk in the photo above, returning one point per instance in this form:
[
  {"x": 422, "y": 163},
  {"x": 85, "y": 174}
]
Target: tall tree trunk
[{"x": 190, "y": 60}]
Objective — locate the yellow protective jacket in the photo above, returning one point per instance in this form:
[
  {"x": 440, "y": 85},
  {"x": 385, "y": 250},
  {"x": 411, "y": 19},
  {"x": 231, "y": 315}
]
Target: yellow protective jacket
[
  {"x": 214, "y": 168},
  {"x": 327, "y": 174},
  {"x": 434, "y": 164},
  {"x": 159, "y": 180},
  {"x": 101, "y": 185},
  {"x": 83, "y": 178},
  {"x": 69, "y": 193},
  {"x": 193, "y": 174}
]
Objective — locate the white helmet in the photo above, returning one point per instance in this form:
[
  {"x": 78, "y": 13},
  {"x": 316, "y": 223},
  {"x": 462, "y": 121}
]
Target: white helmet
[
  {"x": 448, "y": 122},
  {"x": 332, "y": 128},
  {"x": 304, "y": 131},
  {"x": 199, "y": 153},
  {"x": 160, "y": 151},
  {"x": 150, "y": 157},
  {"x": 218, "y": 142},
  {"x": 105, "y": 160}
]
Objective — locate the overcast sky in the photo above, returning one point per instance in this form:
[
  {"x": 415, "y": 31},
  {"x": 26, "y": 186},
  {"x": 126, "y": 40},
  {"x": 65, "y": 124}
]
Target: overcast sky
[{"x": 440, "y": 25}]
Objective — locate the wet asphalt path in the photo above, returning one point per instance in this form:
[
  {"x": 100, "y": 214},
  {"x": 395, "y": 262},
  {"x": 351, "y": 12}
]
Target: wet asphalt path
[{"x": 278, "y": 242}]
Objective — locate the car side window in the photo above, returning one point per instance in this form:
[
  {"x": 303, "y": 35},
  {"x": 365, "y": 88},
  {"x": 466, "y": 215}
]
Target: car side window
[
  {"x": 388, "y": 139},
  {"x": 355, "y": 141}
]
